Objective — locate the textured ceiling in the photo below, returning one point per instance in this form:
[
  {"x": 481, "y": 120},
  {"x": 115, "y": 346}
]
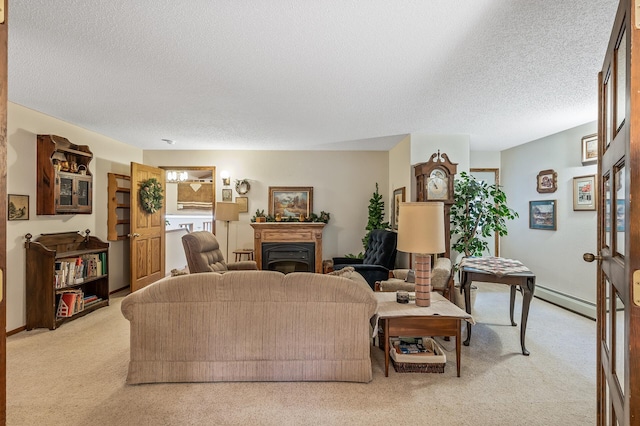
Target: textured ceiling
[{"x": 310, "y": 75}]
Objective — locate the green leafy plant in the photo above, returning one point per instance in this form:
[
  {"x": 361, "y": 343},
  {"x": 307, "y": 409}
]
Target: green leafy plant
[
  {"x": 354, "y": 256},
  {"x": 259, "y": 213},
  {"x": 376, "y": 216},
  {"x": 323, "y": 217},
  {"x": 479, "y": 210}
]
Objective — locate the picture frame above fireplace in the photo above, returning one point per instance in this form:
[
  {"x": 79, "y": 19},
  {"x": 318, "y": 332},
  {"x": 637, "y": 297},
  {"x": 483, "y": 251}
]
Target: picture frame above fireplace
[{"x": 290, "y": 201}]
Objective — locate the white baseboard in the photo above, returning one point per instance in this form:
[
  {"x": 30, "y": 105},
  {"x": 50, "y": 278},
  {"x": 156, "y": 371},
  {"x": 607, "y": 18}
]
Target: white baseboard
[{"x": 566, "y": 301}]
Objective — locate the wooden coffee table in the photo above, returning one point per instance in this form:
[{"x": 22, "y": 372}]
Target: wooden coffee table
[{"x": 442, "y": 318}]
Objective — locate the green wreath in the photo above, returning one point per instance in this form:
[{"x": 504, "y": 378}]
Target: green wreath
[{"x": 150, "y": 195}]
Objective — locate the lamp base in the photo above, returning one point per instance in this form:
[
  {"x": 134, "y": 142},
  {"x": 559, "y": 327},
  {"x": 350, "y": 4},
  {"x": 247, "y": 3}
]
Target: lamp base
[{"x": 423, "y": 280}]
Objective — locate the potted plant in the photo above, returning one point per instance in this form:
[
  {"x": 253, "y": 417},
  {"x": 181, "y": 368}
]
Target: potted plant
[
  {"x": 259, "y": 216},
  {"x": 479, "y": 210},
  {"x": 376, "y": 216}
]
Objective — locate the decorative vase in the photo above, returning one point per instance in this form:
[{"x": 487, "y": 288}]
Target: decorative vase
[{"x": 261, "y": 219}]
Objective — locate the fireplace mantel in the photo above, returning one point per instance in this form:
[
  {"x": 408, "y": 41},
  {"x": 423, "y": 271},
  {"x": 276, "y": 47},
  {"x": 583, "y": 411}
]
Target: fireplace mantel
[{"x": 283, "y": 232}]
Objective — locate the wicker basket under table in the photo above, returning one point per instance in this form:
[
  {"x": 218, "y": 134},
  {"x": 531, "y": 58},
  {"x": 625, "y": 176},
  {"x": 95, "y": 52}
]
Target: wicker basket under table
[{"x": 418, "y": 363}]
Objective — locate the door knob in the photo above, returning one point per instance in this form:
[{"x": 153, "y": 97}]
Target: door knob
[
  {"x": 135, "y": 234},
  {"x": 590, "y": 257}
]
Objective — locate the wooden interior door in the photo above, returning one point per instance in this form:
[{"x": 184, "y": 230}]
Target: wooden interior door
[
  {"x": 147, "y": 231},
  {"x": 3, "y": 211},
  {"x": 618, "y": 298}
]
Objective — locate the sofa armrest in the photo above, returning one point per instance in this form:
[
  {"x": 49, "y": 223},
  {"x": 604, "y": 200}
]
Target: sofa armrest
[
  {"x": 244, "y": 265},
  {"x": 346, "y": 261},
  {"x": 441, "y": 273},
  {"x": 401, "y": 274}
]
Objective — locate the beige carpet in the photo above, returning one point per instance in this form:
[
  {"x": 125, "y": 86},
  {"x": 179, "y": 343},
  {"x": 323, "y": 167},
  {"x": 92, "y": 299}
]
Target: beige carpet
[{"x": 75, "y": 376}]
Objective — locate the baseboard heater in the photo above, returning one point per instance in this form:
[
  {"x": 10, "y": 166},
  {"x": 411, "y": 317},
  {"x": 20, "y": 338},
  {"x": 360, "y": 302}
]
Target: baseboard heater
[{"x": 566, "y": 301}]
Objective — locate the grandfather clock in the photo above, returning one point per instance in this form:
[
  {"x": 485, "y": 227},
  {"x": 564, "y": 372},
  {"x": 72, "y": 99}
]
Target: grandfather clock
[{"x": 434, "y": 180}]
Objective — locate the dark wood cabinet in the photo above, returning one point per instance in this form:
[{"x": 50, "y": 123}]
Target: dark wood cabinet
[
  {"x": 68, "y": 263},
  {"x": 64, "y": 181}
]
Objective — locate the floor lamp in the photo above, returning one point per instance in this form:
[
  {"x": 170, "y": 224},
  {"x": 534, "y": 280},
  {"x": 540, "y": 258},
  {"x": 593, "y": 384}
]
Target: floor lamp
[
  {"x": 421, "y": 231},
  {"x": 227, "y": 212}
]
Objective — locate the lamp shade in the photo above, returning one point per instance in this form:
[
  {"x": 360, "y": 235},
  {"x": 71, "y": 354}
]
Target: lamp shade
[
  {"x": 227, "y": 211},
  {"x": 421, "y": 227}
]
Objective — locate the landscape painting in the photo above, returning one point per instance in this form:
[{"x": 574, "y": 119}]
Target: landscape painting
[
  {"x": 290, "y": 201},
  {"x": 542, "y": 214},
  {"x": 18, "y": 207}
]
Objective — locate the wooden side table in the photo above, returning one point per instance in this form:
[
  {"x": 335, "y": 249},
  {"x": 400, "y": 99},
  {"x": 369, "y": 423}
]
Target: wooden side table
[
  {"x": 243, "y": 252},
  {"x": 442, "y": 318},
  {"x": 525, "y": 280}
]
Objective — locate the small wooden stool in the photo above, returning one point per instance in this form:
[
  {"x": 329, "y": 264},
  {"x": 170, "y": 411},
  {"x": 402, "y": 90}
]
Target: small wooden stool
[{"x": 241, "y": 252}]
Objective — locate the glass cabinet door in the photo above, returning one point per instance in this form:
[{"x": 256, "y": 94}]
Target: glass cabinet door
[
  {"x": 73, "y": 193},
  {"x": 83, "y": 193},
  {"x": 65, "y": 196}
]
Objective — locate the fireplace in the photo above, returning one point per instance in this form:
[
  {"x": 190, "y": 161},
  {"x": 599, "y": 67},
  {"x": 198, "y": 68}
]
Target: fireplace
[
  {"x": 298, "y": 246},
  {"x": 288, "y": 257}
]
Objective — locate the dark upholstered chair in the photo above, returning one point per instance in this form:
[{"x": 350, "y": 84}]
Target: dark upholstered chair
[
  {"x": 204, "y": 255},
  {"x": 378, "y": 260}
]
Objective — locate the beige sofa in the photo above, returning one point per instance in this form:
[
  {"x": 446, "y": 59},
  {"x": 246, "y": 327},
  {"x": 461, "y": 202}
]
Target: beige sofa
[{"x": 250, "y": 326}]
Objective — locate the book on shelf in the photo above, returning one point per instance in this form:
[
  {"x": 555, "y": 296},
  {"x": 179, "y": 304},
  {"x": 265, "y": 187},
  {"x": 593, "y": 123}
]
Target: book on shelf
[
  {"x": 92, "y": 300},
  {"x": 70, "y": 303},
  {"x": 75, "y": 270}
]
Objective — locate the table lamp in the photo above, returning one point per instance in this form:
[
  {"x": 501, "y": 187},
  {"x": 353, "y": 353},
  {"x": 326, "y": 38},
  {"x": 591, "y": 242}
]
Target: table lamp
[
  {"x": 227, "y": 212},
  {"x": 421, "y": 231}
]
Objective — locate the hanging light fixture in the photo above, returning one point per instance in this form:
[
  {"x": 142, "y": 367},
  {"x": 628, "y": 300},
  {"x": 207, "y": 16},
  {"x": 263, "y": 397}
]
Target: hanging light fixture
[{"x": 176, "y": 176}]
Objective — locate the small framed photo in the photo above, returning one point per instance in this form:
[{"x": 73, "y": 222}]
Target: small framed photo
[
  {"x": 18, "y": 207},
  {"x": 290, "y": 201},
  {"x": 584, "y": 192},
  {"x": 542, "y": 215},
  {"x": 547, "y": 181},
  {"x": 226, "y": 194},
  {"x": 398, "y": 197},
  {"x": 589, "y": 146},
  {"x": 243, "y": 204}
]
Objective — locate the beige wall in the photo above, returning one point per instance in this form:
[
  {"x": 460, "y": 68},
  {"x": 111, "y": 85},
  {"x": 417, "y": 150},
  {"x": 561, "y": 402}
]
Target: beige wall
[
  {"x": 485, "y": 160},
  {"x": 342, "y": 182},
  {"x": 400, "y": 175},
  {"x": 554, "y": 256},
  {"x": 23, "y": 125}
]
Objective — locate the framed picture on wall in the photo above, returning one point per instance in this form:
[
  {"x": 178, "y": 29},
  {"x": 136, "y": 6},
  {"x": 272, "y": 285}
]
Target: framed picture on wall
[
  {"x": 584, "y": 192},
  {"x": 243, "y": 204},
  {"x": 226, "y": 194},
  {"x": 547, "y": 181},
  {"x": 18, "y": 207},
  {"x": 398, "y": 197},
  {"x": 542, "y": 215},
  {"x": 290, "y": 201},
  {"x": 589, "y": 149}
]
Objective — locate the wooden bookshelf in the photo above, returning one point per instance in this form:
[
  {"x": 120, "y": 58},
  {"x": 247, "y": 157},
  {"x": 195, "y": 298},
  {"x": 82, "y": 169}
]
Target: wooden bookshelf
[
  {"x": 119, "y": 207},
  {"x": 45, "y": 285}
]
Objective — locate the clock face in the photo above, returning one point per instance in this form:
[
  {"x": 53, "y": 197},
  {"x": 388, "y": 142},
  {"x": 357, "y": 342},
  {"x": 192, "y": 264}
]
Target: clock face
[
  {"x": 437, "y": 185},
  {"x": 438, "y": 173}
]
